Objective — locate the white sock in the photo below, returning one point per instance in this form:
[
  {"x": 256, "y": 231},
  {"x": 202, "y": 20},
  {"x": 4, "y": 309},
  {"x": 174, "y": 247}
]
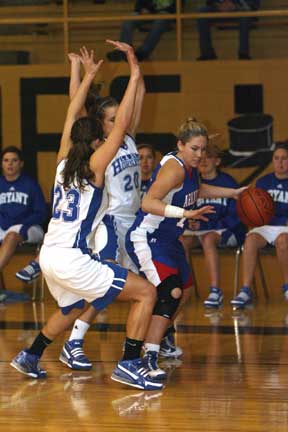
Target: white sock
[
  {"x": 151, "y": 347},
  {"x": 79, "y": 330}
]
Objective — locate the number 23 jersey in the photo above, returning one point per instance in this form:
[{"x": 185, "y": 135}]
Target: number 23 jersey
[{"x": 76, "y": 214}]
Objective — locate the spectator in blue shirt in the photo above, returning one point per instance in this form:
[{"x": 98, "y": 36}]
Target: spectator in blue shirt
[
  {"x": 147, "y": 157},
  {"x": 22, "y": 206},
  {"x": 223, "y": 227},
  {"x": 273, "y": 234}
]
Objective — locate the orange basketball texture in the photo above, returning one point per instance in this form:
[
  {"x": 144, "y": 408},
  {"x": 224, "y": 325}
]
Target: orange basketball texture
[{"x": 255, "y": 207}]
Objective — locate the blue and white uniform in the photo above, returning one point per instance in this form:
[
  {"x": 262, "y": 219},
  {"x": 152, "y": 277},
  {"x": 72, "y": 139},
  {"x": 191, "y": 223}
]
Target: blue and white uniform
[
  {"x": 22, "y": 208},
  {"x": 72, "y": 273},
  {"x": 152, "y": 242},
  {"x": 278, "y": 189},
  {"x": 225, "y": 220},
  {"x": 122, "y": 178},
  {"x": 145, "y": 184}
]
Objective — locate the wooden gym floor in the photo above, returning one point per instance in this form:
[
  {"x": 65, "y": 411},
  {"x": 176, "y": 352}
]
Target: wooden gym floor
[{"x": 233, "y": 375}]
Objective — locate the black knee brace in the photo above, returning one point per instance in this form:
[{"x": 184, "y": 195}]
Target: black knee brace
[{"x": 166, "y": 304}]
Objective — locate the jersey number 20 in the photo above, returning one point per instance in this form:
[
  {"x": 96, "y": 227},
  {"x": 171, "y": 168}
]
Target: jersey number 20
[{"x": 131, "y": 181}]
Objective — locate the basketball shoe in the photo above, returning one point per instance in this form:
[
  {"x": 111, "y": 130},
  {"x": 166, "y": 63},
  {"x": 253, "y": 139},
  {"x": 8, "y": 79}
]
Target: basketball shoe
[
  {"x": 28, "y": 364},
  {"x": 168, "y": 347},
  {"x": 135, "y": 374},
  {"x": 150, "y": 361},
  {"x": 73, "y": 356},
  {"x": 30, "y": 272},
  {"x": 215, "y": 298},
  {"x": 243, "y": 299}
]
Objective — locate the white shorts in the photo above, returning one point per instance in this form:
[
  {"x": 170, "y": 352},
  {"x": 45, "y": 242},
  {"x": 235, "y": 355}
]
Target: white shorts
[
  {"x": 230, "y": 241},
  {"x": 189, "y": 233},
  {"x": 72, "y": 277},
  {"x": 269, "y": 232},
  {"x": 35, "y": 233}
]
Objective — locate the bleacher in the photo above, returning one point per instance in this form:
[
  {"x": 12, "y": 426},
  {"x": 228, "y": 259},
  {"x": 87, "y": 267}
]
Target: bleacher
[{"x": 41, "y": 31}]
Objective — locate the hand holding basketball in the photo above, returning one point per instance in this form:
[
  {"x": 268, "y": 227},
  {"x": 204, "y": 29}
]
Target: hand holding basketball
[{"x": 255, "y": 207}]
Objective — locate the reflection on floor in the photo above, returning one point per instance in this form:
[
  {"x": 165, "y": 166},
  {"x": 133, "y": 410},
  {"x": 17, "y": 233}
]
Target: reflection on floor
[{"x": 231, "y": 377}]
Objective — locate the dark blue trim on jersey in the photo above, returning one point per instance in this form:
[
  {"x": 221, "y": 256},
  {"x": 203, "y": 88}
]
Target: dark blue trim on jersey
[
  {"x": 104, "y": 301},
  {"x": 112, "y": 293},
  {"x": 86, "y": 225},
  {"x": 78, "y": 305},
  {"x": 177, "y": 157},
  {"x": 111, "y": 248}
]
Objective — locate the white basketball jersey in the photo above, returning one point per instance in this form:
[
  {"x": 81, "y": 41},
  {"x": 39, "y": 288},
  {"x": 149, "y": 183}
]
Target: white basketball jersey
[
  {"x": 76, "y": 214},
  {"x": 123, "y": 181}
]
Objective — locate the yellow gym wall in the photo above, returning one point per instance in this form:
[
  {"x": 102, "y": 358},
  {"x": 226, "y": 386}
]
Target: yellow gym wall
[{"x": 207, "y": 92}]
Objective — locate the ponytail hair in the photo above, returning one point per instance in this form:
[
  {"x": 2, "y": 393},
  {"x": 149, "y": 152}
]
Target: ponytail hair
[{"x": 77, "y": 172}]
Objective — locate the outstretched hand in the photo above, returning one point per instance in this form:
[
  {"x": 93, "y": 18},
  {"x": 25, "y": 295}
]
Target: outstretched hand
[
  {"x": 121, "y": 46},
  {"x": 199, "y": 213},
  {"x": 127, "y": 49},
  {"x": 87, "y": 59}
]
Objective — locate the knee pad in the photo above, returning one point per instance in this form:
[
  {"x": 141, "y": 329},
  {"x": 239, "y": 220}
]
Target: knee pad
[{"x": 167, "y": 304}]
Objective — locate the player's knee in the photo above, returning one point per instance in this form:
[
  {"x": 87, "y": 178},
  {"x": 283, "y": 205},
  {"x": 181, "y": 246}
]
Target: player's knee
[
  {"x": 169, "y": 294},
  {"x": 151, "y": 292},
  {"x": 148, "y": 293}
]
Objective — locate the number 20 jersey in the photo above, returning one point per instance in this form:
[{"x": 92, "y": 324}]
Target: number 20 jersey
[{"x": 123, "y": 180}]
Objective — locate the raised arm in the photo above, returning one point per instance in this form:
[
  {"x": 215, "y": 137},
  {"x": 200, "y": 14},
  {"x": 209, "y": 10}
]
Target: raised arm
[
  {"x": 75, "y": 106},
  {"x": 75, "y": 74},
  {"x": 136, "y": 117},
  {"x": 105, "y": 153}
]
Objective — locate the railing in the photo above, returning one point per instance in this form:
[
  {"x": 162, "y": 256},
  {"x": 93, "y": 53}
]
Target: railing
[{"x": 66, "y": 19}]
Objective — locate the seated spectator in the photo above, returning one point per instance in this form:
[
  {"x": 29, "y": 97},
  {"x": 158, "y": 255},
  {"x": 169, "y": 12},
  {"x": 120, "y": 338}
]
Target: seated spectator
[
  {"x": 223, "y": 227},
  {"x": 207, "y": 51},
  {"x": 22, "y": 206},
  {"x": 147, "y": 164},
  {"x": 274, "y": 234},
  {"x": 158, "y": 27}
]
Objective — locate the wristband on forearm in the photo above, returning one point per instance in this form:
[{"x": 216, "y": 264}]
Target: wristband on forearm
[{"x": 173, "y": 211}]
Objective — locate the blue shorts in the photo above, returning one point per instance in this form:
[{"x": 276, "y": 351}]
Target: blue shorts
[{"x": 157, "y": 260}]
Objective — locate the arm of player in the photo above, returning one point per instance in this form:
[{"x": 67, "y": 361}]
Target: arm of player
[
  {"x": 105, "y": 153},
  {"x": 136, "y": 117},
  {"x": 169, "y": 177},
  {"x": 208, "y": 191},
  {"x": 75, "y": 78},
  {"x": 75, "y": 106}
]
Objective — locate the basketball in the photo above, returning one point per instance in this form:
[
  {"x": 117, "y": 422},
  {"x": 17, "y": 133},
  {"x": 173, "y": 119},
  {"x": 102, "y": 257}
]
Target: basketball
[{"x": 255, "y": 207}]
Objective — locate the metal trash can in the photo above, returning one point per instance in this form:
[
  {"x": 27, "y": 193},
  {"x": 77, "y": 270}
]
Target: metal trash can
[{"x": 250, "y": 133}]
